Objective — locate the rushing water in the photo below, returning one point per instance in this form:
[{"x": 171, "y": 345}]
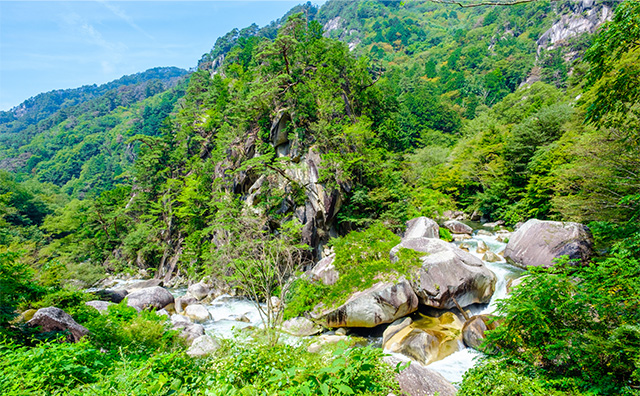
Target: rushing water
[
  {"x": 226, "y": 311},
  {"x": 455, "y": 365}
]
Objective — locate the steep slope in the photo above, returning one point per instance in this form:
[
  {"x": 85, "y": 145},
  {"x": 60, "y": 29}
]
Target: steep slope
[{"x": 77, "y": 137}]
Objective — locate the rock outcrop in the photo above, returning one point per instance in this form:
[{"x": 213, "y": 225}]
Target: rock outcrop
[
  {"x": 448, "y": 273},
  {"x": 54, "y": 319},
  {"x": 325, "y": 271},
  {"x": 202, "y": 346},
  {"x": 538, "y": 242},
  {"x": 151, "y": 297},
  {"x": 199, "y": 290},
  {"x": 417, "y": 380},
  {"x": 383, "y": 302},
  {"x": 101, "y": 306},
  {"x": 197, "y": 312},
  {"x": 425, "y": 340},
  {"x": 474, "y": 329},
  {"x": 300, "y": 327},
  {"x": 457, "y": 227},
  {"x": 422, "y": 227}
]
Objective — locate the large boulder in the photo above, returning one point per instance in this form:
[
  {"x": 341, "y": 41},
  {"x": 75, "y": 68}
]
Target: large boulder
[
  {"x": 417, "y": 380},
  {"x": 197, "y": 312},
  {"x": 101, "y": 306},
  {"x": 189, "y": 331},
  {"x": 383, "y": 302},
  {"x": 325, "y": 271},
  {"x": 425, "y": 340},
  {"x": 202, "y": 346},
  {"x": 112, "y": 295},
  {"x": 457, "y": 227},
  {"x": 151, "y": 297},
  {"x": 448, "y": 272},
  {"x": 145, "y": 284},
  {"x": 422, "y": 227},
  {"x": 474, "y": 329},
  {"x": 537, "y": 243},
  {"x": 199, "y": 290},
  {"x": 300, "y": 327},
  {"x": 181, "y": 303},
  {"x": 54, "y": 319}
]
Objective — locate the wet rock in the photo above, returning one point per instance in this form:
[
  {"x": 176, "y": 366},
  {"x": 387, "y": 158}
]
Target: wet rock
[
  {"x": 482, "y": 247},
  {"x": 538, "y": 242},
  {"x": 491, "y": 257},
  {"x": 151, "y": 297},
  {"x": 202, "y": 346},
  {"x": 417, "y": 380},
  {"x": 448, "y": 272},
  {"x": 54, "y": 319},
  {"x": 101, "y": 306},
  {"x": 457, "y": 227},
  {"x": 197, "y": 312},
  {"x": 460, "y": 237},
  {"x": 325, "y": 271},
  {"x": 425, "y": 340},
  {"x": 199, "y": 290},
  {"x": 474, "y": 329},
  {"x": 383, "y": 302},
  {"x": 484, "y": 232},
  {"x": 422, "y": 227},
  {"x": 182, "y": 302},
  {"x": 493, "y": 224},
  {"x": 243, "y": 318},
  {"x": 300, "y": 327}
]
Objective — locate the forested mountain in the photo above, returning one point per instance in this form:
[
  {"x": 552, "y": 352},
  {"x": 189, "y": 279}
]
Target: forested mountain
[
  {"x": 326, "y": 131},
  {"x": 78, "y": 138}
]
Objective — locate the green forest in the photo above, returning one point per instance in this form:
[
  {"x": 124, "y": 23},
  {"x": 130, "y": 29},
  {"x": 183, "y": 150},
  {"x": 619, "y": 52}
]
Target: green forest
[{"x": 323, "y": 133}]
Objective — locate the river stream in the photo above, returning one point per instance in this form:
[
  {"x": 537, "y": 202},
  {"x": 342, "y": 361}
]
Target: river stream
[{"x": 227, "y": 312}]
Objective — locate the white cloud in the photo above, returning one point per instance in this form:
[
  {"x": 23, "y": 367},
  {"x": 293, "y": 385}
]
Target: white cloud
[{"x": 119, "y": 12}]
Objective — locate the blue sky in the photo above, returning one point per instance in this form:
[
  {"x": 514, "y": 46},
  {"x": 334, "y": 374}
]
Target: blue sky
[{"x": 47, "y": 45}]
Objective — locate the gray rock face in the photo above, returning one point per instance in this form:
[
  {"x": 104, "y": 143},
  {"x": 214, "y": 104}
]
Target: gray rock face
[
  {"x": 422, "y": 227},
  {"x": 203, "y": 346},
  {"x": 115, "y": 296},
  {"x": 101, "y": 306},
  {"x": 189, "y": 331},
  {"x": 144, "y": 285},
  {"x": 182, "y": 302},
  {"x": 300, "y": 327},
  {"x": 538, "y": 242},
  {"x": 384, "y": 302},
  {"x": 417, "y": 380},
  {"x": 199, "y": 290},
  {"x": 491, "y": 257},
  {"x": 457, "y": 227},
  {"x": 448, "y": 272},
  {"x": 325, "y": 271},
  {"x": 55, "y": 319},
  {"x": 474, "y": 329},
  {"x": 151, "y": 297},
  {"x": 197, "y": 312}
]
